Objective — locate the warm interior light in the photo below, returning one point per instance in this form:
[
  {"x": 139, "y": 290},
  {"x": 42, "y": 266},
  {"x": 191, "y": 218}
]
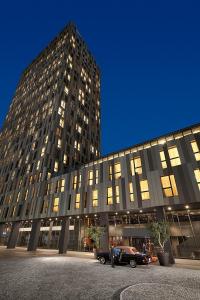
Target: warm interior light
[
  {"x": 169, "y": 208},
  {"x": 187, "y": 206}
]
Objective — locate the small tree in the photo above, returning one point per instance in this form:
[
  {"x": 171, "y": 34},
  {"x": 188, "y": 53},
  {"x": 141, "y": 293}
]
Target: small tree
[
  {"x": 94, "y": 233},
  {"x": 160, "y": 233}
]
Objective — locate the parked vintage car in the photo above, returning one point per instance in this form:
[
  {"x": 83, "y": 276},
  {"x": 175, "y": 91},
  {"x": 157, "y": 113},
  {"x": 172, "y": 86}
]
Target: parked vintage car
[{"x": 124, "y": 255}]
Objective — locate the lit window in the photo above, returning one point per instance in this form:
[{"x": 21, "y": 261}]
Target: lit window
[
  {"x": 66, "y": 90},
  {"x": 169, "y": 186},
  {"x": 197, "y": 176},
  {"x": 85, "y": 119},
  {"x": 131, "y": 191},
  {"x": 77, "y": 145},
  {"x": 117, "y": 194},
  {"x": 144, "y": 189},
  {"x": 117, "y": 169},
  {"x": 18, "y": 196},
  {"x": 43, "y": 151},
  {"x": 195, "y": 150},
  {"x": 95, "y": 198},
  {"x": 163, "y": 160},
  {"x": 77, "y": 201},
  {"x": 55, "y": 204},
  {"x": 110, "y": 172},
  {"x": 92, "y": 148},
  {"x": 136, "y": 166},
  {"x": 109, "y": 196},
  {"x": 97, "y": 177},
  {"x": 75, "y": 182},
  {"x": 61, "y": 123},
  {"x": 78, "y": 128},
  {"x": 46, "y": 139},
  {"x": 65, "y": 159},
  {"x": 59, "y": 143},
  {"x": 81, "y": 97},
  {"x": 62, "y": 185},
  {"x": 174, "y": 156},
  {"x": 90, "y": 177},
  {"x": 79, "y": 181},
  {"x": 63, "y": 104},
  {"x": 38, "y": 165},
  {"x": 56, "y": 166}
]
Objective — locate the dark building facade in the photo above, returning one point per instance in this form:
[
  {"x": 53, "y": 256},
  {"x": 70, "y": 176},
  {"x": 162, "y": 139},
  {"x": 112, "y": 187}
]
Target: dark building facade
[{"x": 54, "y": 202}]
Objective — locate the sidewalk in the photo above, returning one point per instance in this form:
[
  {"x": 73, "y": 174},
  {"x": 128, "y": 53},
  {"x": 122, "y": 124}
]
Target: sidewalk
[
  {"x": 22, "y": 251},
  {"x": 193, "y": 264}
]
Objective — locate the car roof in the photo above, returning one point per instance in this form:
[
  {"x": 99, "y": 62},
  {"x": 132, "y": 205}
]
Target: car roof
[{"x": 124, "y": 247}]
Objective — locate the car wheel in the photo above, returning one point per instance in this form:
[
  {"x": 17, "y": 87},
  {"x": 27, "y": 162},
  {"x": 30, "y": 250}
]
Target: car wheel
[
  {"x": 133, "y": 263},
  {"x": 102, "y": 260}
]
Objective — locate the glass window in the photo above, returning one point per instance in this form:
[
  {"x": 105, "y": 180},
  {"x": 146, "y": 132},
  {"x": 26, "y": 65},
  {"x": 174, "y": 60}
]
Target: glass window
[
  {"x": 117, "y": 169},
  {"x": 90, "y": 177},
  {"x": 163, "y": 159},
  {"x": 110, "y": 172},
  {"x": 79, "y": 181},
  {"x": 77, "y": 201},
  {"x": 97, "y": 177},
  {"x": 56, "y": 204},
  {"x": 169, "y": 186},
  {"x": 131, "y": 191},
  {"x": 109, "y": 195},
  {"x": 59, "y": 143},
  {"x": 75, "y": 182},
  {"x": 61, "y": 123},
  {"x": 95, "y": 198},
  {"x": 117, "y": 194},
  {"x": 62, "y": 185},
  {"x": 65, "y": 159},
  {"x": 43, "y": 151},
  {"x": 144, "y": 187},
  {"x": 197, "y": 176},
  {"x": 195, "y": 150},
  {"x": 136, "y": 166},
  {"x": 56, "y": 166},
  {"x": 174, "y": 156}
]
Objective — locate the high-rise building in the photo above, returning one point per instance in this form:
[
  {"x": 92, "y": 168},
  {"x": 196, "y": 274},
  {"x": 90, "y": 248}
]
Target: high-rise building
[
  {"x": 54, "y": 185},
  {"x": 53, "y": 124}
]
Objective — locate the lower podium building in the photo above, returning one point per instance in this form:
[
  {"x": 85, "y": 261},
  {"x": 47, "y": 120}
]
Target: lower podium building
[{"x": 121, "y": 192}]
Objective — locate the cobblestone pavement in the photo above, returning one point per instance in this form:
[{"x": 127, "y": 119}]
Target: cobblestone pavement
[{"x": 40, "y": 276}]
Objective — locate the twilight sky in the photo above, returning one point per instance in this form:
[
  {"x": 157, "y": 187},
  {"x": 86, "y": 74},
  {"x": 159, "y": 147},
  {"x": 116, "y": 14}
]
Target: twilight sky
[{"x": 148, "y": 52}]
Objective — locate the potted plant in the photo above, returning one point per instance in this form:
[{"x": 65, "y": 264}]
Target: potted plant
[
  {"x": 94, "y": 233},
  {"x": 160, "y": 234}
]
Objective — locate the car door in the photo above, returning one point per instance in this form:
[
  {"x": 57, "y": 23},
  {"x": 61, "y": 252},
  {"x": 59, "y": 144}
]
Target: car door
[{"x": 124, "y": 256}]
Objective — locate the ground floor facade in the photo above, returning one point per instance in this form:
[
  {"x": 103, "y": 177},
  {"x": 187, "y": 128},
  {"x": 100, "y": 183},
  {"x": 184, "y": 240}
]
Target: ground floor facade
[{"x": 130, "y": 228}]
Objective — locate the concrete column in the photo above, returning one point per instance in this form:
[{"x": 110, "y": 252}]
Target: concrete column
[
  {"x": 64, "y": 236},
  {"x": 49, "y": 234},
  {"x": 76, "y": 234},
  {"x": 160, "y": 214},
  {"x": 12, "y": 240},
  {"x": 104, "y": 239},
  {"x": 34, "y": 235},
  {"x": 2, "y": 229}
]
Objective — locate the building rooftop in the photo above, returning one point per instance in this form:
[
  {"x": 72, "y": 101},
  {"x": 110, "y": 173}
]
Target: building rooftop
[{"x": 175, "y": 135}]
